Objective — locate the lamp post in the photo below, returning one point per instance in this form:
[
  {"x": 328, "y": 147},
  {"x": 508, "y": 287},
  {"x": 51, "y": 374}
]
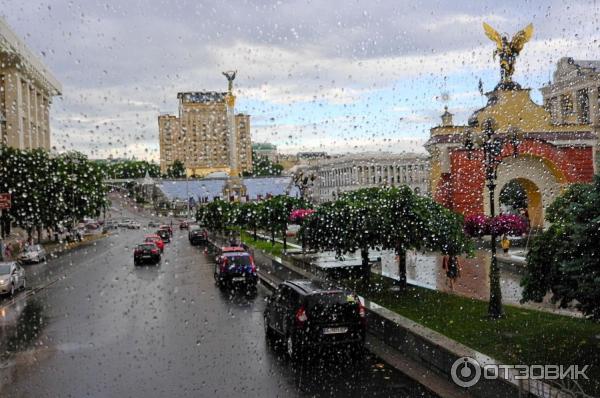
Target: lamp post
[{"x": 491, "y": 145}]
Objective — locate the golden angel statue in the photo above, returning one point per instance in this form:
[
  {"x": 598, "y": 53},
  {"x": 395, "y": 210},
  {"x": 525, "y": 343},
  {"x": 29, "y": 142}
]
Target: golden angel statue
[{"x": 508, "y": 51}]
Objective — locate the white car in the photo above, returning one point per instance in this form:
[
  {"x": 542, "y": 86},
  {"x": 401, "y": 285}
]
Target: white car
[
  {"x": 12, "y": 277},
  {"x": 33, "y": 254}
]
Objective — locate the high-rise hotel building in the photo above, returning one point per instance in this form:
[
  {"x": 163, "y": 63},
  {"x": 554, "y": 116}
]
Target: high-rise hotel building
[
  {"x": 198, "y": 136},
  {"x": 26, "y": 91}
]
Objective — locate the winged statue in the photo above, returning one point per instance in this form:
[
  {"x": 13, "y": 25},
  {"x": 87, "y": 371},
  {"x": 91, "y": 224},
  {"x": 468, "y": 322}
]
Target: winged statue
[
  {"x": 230, "y": 76},
  {"x": 508, "y": 51}
]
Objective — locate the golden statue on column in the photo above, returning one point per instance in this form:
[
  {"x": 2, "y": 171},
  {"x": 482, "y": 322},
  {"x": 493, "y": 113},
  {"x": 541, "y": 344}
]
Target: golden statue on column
[
  {"x": 508, "y": 52},
  {"x": 234, "y": 187}
]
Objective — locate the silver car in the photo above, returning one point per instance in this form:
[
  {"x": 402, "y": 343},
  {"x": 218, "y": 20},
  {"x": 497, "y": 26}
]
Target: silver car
[
  {"x": 33, "y": 254},
  {"x": 12, "y": 277}
]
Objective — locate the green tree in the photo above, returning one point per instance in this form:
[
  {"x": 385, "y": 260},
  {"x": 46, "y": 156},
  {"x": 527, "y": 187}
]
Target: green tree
[
  {"x": 564, "y": 259},
  {"x": 50, "y": 191},
  {"x": 216, "y": 215},
  {"x": 130, "y": 169},
  {"x": 387, "y": 218},
  {"x": 262, "y": 167},
  {"x": 274, "y": 215},
  {"x": 514, "y": 195},
  {"x": 249, "y": 216},
  {"x": 176, "y": 170}
]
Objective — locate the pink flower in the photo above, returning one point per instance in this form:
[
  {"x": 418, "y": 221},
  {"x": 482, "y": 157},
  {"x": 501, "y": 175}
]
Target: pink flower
[
  {"x": 477, "y": 225},
  {"x": 510, "y": 224},
  {"x": 297, "y": 216}
]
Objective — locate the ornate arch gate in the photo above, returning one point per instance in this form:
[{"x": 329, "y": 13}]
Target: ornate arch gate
[{"x": 550, "y": 155}]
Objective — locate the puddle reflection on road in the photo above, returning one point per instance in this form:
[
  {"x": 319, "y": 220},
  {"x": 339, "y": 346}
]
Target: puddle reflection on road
[{"x": 20, "y": 326}]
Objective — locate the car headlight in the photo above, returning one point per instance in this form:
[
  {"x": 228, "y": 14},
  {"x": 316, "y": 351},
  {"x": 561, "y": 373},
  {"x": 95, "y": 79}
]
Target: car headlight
[{"x": 3, "y": 281}]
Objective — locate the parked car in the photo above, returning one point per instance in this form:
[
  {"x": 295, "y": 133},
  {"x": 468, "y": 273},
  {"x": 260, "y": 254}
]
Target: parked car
[
  {"x": 312, "y": 314},
  {"x": 146, "y": 252},
  {"x": 164, "y": 235},
  {"x": 156, "y": 239},
  {"x": 33, "y": 254},
  {"x": 109, "y": 225},
  {"x": 184, "y": 224},
  {"x": 124, "y": 223},
  {"x": 197, "y": 235},
  {"x": 12, "y": 277},
  {"x": 134, "y": 225},
  {"x": 234, "y": 268}
]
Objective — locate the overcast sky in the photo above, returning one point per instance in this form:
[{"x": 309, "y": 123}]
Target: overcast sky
[{"x": 329, "y": 75}]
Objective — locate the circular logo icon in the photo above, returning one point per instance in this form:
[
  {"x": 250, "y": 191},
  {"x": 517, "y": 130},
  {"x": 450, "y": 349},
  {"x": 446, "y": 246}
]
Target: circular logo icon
[{"x": 465, "y": 372}]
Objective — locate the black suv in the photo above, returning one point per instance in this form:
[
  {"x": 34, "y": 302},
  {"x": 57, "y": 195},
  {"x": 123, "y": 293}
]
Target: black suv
[
  {"x": 313, "y": 314},
  {"x": 197, "y": 235}
]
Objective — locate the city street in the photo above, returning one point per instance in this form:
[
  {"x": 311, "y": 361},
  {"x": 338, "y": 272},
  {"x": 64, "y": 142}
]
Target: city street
[{"x": 102, "y": 328}]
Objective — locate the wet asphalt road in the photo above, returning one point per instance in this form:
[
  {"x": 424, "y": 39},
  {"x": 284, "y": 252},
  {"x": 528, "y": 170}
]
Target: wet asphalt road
[{"x": 104, "y": 328}]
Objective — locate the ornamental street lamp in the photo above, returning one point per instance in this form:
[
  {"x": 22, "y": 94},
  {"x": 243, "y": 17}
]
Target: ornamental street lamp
[{"x": 491, "y": 145}]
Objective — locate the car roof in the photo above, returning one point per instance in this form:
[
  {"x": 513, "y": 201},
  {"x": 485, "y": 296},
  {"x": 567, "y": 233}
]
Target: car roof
[
  {"x": 308, "y": 286},
  {"x": 152, "y": 236},
  {"x": 236, "y": 254},
  {"x": 226, "y": 249},
  {"x": 8, "y": 263},
  {"x": 147, "y": 243}
]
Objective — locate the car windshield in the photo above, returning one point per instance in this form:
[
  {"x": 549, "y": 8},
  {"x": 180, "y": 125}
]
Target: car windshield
[
  {"x": 32, "y": 248},
  {"x": 4, "y": 269},
  {"x": 146, "y": 247},
  {"x": 238, "y": 260}
]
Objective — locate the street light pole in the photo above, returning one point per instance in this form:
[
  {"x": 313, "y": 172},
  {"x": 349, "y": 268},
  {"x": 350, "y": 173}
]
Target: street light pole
[
  {"x": 492, "y": 150},
  {"x": 187, "y": 194}
]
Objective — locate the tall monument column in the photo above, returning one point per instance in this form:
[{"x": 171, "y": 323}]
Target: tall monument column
[{"x": 234, "y": 187}]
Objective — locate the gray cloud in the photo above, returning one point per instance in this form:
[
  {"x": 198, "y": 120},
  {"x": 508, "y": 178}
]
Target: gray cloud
[{"x": 122, "y": 62}]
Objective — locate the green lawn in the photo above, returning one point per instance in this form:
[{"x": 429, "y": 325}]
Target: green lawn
[
  {"x": 522, "y": 337},
  {"x": 263, "y": 245}
]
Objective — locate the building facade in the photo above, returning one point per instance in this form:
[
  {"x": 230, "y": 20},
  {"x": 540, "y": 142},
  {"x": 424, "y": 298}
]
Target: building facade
[
  {"x": 266, "y": 150},
  {"x": 26, "y": 91},
  {"x": 198, "y": 135},
  {"x": 350, "y": 172},
  {"x": 572, "y": 98},
  {"x": 550, "y": 155}
]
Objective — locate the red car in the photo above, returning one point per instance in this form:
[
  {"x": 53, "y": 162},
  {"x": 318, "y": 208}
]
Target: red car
[
  {"x": 157, "y": 240},
  {"x": 229, "y": 249},
  {"x": 184, "y": 224},
  {"x": 167, "y": 228}
]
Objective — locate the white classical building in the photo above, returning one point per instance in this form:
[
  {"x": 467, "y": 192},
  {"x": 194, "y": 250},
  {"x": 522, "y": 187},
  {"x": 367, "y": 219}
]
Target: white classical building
[
  {"x": 354, "y": 171},
  {"x": 26, "y": 91}
]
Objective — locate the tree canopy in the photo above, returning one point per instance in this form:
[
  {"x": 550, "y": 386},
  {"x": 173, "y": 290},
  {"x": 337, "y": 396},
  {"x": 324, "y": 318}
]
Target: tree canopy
[
  {"x": 176, "y": 170},
  {"x": 51, "y": 191},
  {"x": 385, "y": 218},
  {"x": 263, "y": 167},
  {"x": 565, "y": 259}
]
